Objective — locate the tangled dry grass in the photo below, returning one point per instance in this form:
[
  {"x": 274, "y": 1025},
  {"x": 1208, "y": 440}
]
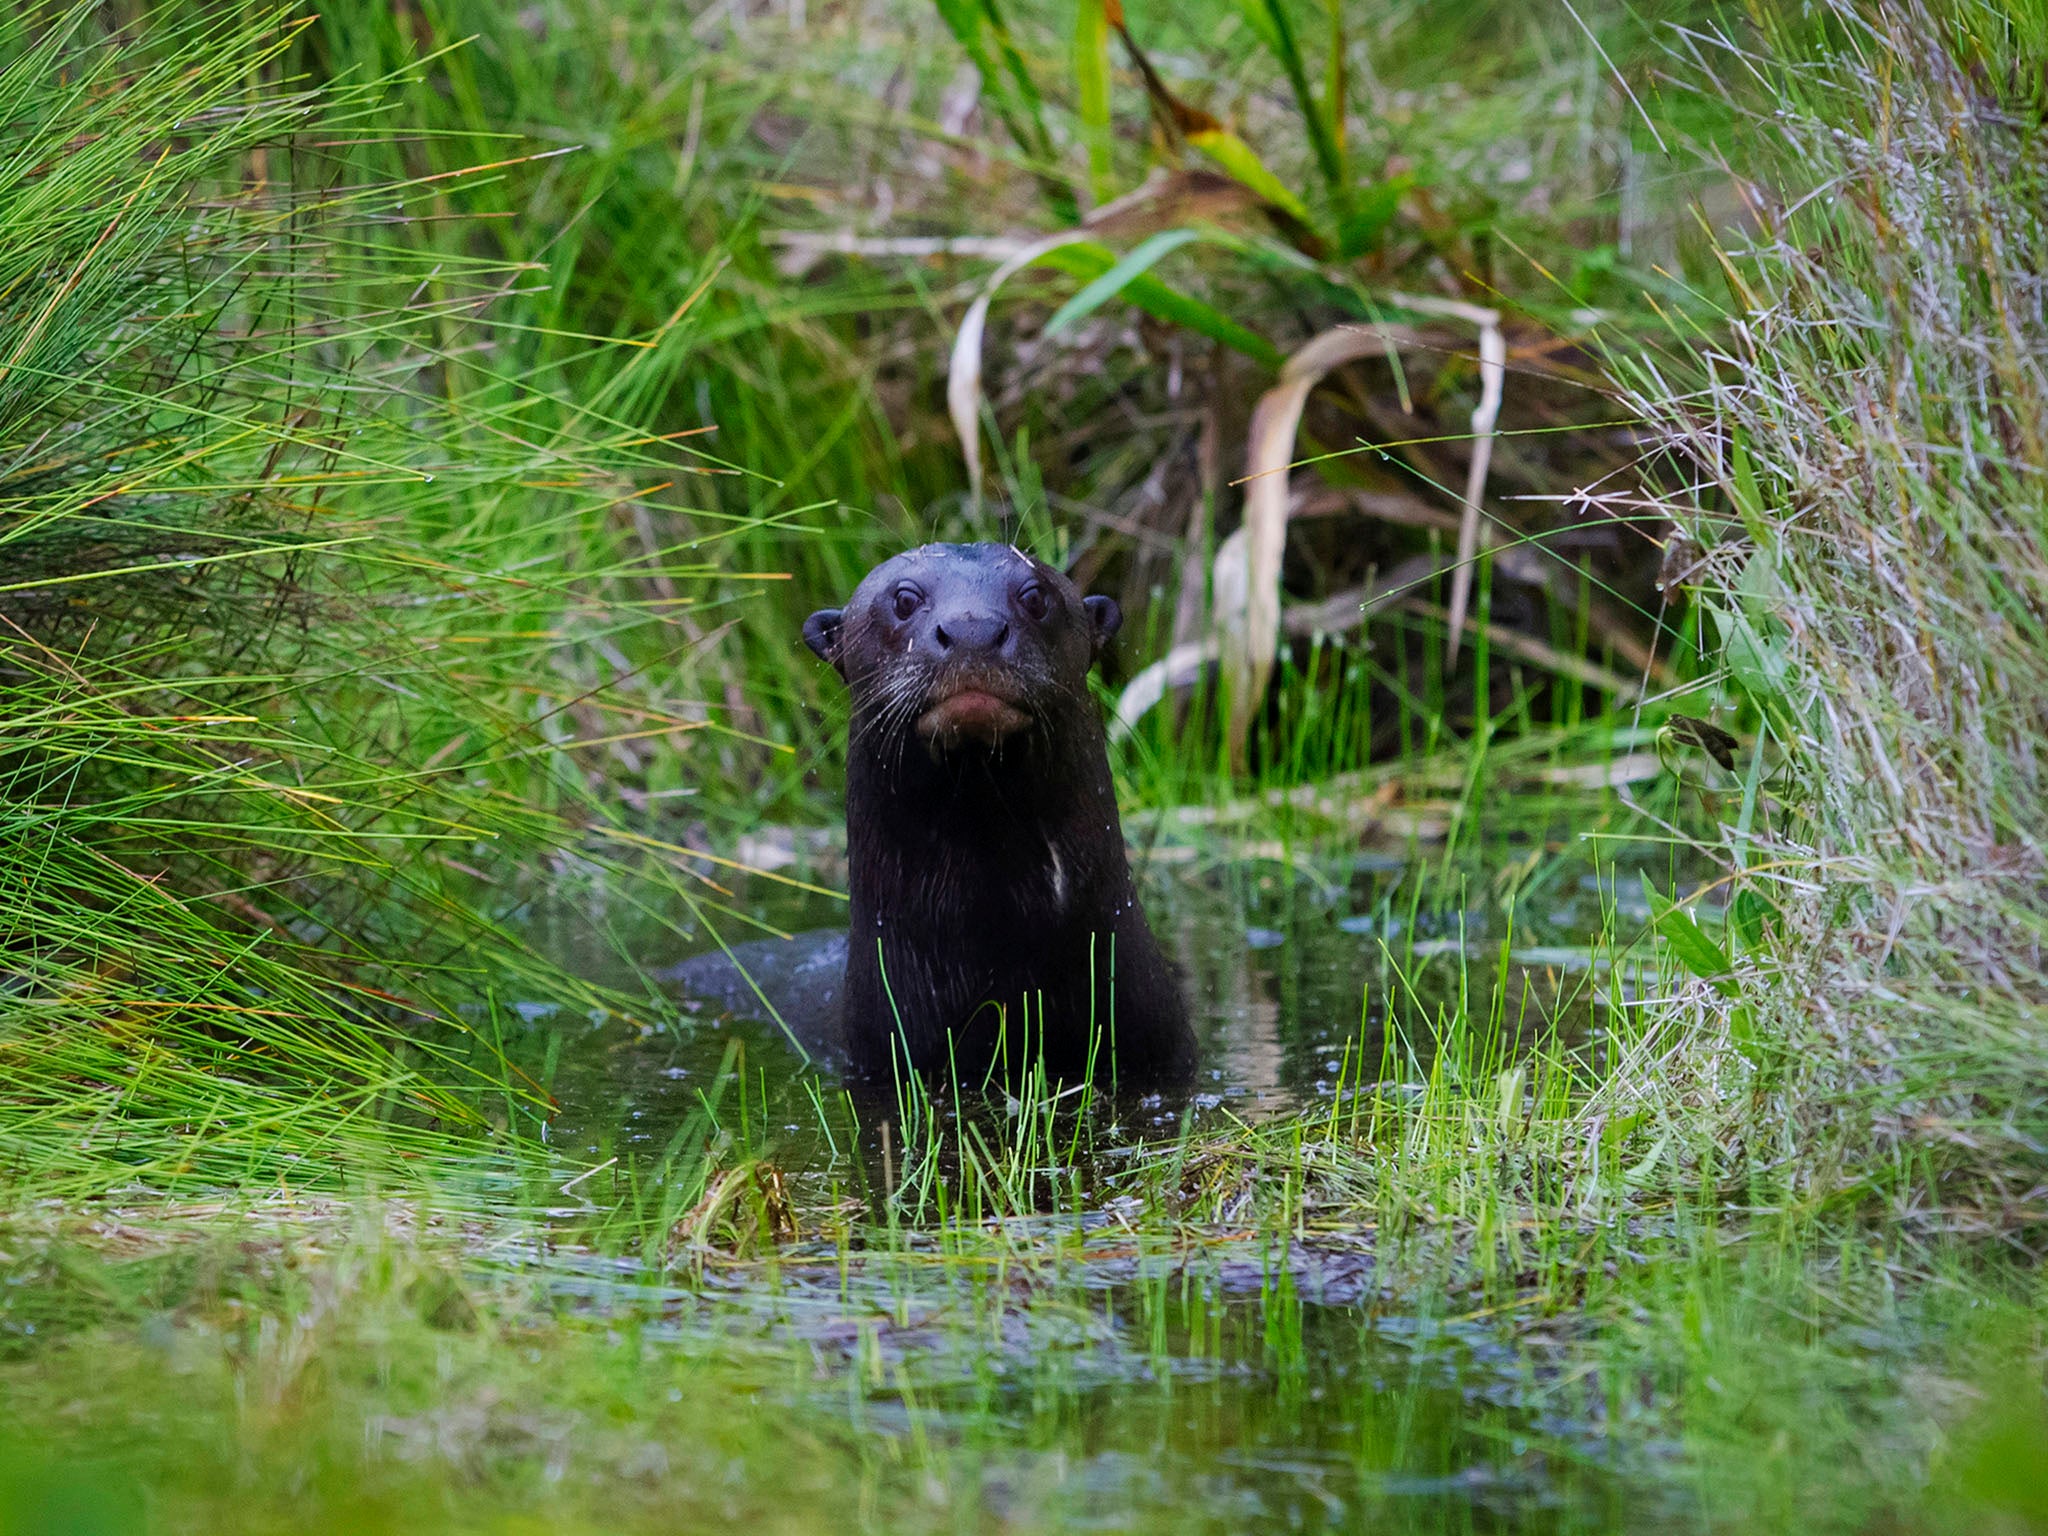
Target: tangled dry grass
[{"x": 1869, "y": 521}]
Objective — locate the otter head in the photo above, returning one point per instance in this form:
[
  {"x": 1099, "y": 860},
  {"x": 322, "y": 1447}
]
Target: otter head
[{"x": 966, "y": 645}]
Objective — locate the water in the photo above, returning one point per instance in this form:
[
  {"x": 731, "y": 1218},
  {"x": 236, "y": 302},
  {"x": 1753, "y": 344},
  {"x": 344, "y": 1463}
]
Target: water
[
  {"x": 1074, "y": 1356},
  {"x": 1291, "y": 972},
  {"x": 729, "y": 1295},
  {"x": 1232, "y": 1389}
]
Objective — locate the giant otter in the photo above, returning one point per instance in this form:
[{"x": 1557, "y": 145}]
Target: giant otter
[{"x": 993, "y": 913}]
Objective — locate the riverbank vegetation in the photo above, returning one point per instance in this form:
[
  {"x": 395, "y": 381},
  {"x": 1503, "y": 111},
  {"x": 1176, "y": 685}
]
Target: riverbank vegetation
[{"x": 1595, "y": 792}]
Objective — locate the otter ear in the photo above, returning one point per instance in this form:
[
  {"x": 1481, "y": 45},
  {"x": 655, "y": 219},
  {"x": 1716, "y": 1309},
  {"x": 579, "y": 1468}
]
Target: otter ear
[
  {"x": 1104, "y": 620},
  {"x": 821, "y": 633}
]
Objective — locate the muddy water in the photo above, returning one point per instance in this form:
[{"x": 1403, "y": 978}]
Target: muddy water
[{"x": 1117, "y": 1376}]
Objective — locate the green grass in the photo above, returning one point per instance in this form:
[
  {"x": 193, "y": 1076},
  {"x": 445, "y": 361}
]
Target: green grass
[
  {"x": 424, "y": 427},
  {"x": 1867, "y": 530},
  {"x": 824, "y": 376},
  {"x": 278, "y": 757},
  {"x": 374, "y": 1365}
]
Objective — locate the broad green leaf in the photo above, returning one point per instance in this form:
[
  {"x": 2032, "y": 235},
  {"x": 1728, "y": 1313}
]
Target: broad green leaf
[
  {"x": 1091, "y": 92},
  {"x": 1695, "y": 950},
  {"x": 1089, "y": 261},
  {"x": 1751, "y": 916},
  {"x": 1132, "y": 265},
  {"x": 1758, "y": 666},
  {"x": 1761, "y": 588}
]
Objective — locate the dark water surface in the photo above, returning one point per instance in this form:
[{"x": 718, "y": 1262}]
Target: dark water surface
[
  {"x": 1291, "y": 972},
  {"x": 1073, "y": 1358}
]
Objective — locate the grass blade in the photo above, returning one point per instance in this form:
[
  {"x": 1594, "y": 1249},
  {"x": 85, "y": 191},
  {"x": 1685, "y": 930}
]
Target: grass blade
[
  {"x": 1128, "y": 268},
  {"x": 1092, "y": 93},
  {"x": 1278, "y": 35}
]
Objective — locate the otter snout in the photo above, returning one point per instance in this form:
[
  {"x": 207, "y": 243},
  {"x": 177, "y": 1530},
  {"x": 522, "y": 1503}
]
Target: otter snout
[
  {"x": 975, "y": 697},
  {"x": 968, "y": 632}
]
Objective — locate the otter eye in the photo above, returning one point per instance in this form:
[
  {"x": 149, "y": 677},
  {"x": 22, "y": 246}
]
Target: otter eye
[
  {"x": 908, "y": 601},
  {"x": 1033, "y": 601}
]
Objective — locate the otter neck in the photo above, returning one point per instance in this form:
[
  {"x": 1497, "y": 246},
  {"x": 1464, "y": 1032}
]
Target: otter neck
[{"x": 1002, "y": 810}]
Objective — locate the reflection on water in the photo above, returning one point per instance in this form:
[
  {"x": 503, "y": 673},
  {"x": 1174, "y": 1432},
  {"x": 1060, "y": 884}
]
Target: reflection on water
[{"x": 1203, "y": 1387}]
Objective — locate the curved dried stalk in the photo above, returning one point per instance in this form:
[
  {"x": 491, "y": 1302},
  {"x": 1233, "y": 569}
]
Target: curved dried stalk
[
  {"x": 1493, "y": 369},
  {"x": 1176, "y": 669},
  {"x": 1247, "y": 571},
  {"x": 1344, "y": 612},
  {"x": 1167, "y": 201},
  {"x": 963, "y": 368},
  {"x": 1246, "y": 574}
]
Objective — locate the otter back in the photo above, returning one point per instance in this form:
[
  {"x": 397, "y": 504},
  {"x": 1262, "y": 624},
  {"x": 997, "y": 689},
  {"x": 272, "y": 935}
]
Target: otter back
[{"x": 993, "y": 916}]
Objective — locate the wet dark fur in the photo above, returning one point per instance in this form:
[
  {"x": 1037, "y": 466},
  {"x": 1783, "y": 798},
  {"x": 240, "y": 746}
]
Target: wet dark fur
[{"x": 989, "y": 882}]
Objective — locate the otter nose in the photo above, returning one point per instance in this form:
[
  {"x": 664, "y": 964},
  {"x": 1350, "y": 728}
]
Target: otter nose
[{"x": 971, "y": 631}]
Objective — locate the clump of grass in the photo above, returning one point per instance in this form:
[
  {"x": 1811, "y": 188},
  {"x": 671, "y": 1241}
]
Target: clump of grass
[
  {"x": 1869, "y": 541},
  {"x": 1352, "y": 278},
  {"x": 264, "y": 660}
]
